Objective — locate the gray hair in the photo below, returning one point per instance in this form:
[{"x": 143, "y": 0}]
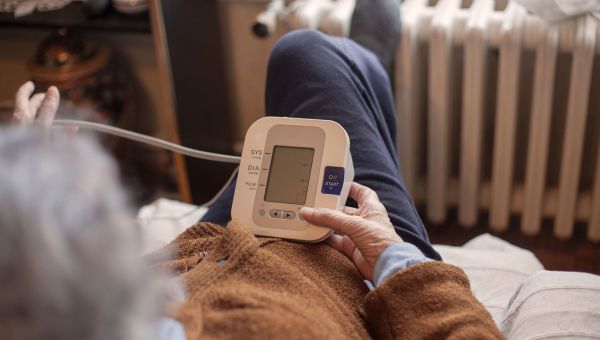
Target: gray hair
[{"x": 70, "y": 260}]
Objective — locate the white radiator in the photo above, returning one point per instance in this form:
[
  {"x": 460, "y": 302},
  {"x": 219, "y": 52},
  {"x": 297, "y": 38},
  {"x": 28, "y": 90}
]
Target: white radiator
[{"x": 500, "y": 112}]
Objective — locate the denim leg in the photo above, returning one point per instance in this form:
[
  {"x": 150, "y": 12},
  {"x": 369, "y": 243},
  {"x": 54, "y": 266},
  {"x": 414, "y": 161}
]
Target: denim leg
[{"x": 311, "y": 75}]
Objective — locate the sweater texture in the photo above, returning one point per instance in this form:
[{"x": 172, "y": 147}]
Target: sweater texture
[{"x": 242, "y": 286}]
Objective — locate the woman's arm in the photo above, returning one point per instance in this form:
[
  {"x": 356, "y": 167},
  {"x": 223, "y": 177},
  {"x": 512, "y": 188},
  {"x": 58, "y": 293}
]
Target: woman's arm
[
  {"x": 429, "y": 300},
  {"x": 424, "y": 299}
]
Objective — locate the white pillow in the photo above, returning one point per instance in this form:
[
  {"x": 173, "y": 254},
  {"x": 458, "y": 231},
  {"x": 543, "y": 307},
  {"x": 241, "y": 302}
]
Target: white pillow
[
  {"x": 495, "y": 268},
  {"x": 555, "y": 305}
]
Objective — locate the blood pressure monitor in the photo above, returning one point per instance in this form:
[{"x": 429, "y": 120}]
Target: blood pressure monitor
[{"x": 287, "y": 164}]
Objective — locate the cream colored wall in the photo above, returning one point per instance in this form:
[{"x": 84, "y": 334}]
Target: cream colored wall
[{"x": 247, "y": 58}]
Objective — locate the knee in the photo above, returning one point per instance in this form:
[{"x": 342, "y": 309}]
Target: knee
[
  {"x": 301, "y": 47},
  {"x": 299, "y": 40}
]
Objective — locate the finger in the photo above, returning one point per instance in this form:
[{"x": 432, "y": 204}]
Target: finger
[
  {"x": 22, "y": 102},
  {"x": 348, "y": 246},
  {"x": 364, "y": 267},
  {"x": 49, "y": 106},
  {"x": 336, "y": 220},
  {"x": 335, "y": 241},
  {"x": 343, "y": 244},
  {"x": 365, "y": 196},
  {"x": 350, "y": 210},
  {"x": 35, "y": 102}
]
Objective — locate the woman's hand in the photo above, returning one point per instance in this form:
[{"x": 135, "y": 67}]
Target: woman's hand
[
  {"x": 366, "y": 231},
  {"x": 41, "y": 107}
]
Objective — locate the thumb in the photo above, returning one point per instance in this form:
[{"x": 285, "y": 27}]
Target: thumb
[
  {"x": 333, "y": 219},
  {"x": 21, "y": 112},
  {"x": 49, "y": 106}
]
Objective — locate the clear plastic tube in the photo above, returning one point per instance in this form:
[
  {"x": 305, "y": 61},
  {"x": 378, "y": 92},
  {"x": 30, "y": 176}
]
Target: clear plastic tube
[
  {"x": 156, "y": 142},
  {"x": 159, "y": 143}
]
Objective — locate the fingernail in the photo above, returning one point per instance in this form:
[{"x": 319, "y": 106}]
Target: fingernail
[
  {"x": 53, "y": 89},
  {"x": 307, "y": 212}
]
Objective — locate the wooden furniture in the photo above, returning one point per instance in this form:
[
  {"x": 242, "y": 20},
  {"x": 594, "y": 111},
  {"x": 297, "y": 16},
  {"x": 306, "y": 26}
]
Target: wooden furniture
[
  {"x": 187, "y": 41},
  {"x": 196, "y": 106},
  {"x": 74, "y": 16}
]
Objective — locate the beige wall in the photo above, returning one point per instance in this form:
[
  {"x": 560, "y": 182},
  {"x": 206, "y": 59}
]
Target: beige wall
[{"x": 247, "y": 58}]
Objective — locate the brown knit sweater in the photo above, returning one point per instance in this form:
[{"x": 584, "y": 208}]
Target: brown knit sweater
[{"x": 241, "y": 286}]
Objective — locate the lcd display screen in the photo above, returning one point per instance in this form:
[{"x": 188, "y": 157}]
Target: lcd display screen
[{"x": 289, "y": 174}]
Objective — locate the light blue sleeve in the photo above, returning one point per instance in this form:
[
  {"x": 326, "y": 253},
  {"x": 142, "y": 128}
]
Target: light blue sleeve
[
  {"x": 170, "y": 329},
  {"x": 395, "y": 258}
]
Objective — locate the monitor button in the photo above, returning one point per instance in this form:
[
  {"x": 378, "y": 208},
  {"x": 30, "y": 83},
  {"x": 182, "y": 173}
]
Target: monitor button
[
  {"x": 275, "y": 213},
  {"x": 333, "y": 180},
  {"x": 289, "y": 215}
]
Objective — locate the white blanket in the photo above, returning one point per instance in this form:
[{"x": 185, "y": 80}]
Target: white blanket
[{"x": 557, "y": 10}]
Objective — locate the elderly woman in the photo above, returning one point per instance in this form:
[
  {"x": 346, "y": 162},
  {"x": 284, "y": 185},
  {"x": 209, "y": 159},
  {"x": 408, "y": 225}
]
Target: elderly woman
[
  {"x": 72, "y": 271},
  {"x": 69, "y": 252}
]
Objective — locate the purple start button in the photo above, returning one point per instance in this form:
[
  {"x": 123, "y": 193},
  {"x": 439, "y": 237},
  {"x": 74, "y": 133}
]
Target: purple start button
[{"x": 333, "y": 180}]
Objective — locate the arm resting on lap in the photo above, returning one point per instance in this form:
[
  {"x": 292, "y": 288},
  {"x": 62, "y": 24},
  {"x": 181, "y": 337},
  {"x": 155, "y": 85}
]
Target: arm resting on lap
[{"x": 428, "y": 300}]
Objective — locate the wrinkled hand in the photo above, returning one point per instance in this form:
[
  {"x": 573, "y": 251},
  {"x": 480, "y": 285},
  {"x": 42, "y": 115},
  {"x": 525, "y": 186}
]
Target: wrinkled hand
[
  {"x": 365, "y": 232},
  {"x": 41, "y": 107}
]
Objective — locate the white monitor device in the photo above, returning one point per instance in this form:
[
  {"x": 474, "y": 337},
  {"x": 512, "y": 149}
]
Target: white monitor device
[{"x": 287, "y": 164}]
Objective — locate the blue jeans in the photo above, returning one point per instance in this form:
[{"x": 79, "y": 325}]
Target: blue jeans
[{"x": 311, "y": 75}]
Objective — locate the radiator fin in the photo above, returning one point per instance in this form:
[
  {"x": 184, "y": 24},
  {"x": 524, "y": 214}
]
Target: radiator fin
[
  {"x": 465, "y": 93},
  {"x": 539, "y": 131},
  {"x": 579, "y": 89}
]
